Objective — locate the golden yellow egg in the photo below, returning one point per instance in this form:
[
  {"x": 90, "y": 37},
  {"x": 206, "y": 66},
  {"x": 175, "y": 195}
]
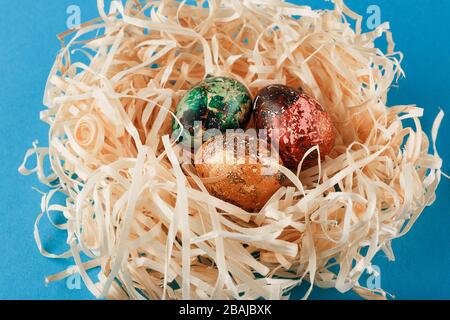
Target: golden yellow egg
[{"x": 239, "y": 168}]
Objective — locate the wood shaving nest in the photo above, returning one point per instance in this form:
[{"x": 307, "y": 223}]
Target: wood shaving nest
[{"x": 146, "y": 222}]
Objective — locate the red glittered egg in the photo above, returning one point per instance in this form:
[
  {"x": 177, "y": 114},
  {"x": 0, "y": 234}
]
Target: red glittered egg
[{"x": 295, "y": 122}]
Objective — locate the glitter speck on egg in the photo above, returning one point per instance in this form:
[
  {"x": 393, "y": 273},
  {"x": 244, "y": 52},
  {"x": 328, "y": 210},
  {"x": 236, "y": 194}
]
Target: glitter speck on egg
[
  {"x": 240, "y": 169},
  {"x": 297, "y": 121}
]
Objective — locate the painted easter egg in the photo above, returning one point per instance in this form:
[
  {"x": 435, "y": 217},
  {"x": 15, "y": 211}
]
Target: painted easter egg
[
  {"x": 219, "y": 103},
  {"x": 239, "y": 168},
  {"x": 295, "y": 122}
]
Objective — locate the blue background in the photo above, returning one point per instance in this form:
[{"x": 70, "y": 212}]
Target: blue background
[{"x": 27, "y": 49}]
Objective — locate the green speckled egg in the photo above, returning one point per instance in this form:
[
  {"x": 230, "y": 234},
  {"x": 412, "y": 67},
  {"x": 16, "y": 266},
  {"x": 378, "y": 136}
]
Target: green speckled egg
[{"x": 217, "y": 103}]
